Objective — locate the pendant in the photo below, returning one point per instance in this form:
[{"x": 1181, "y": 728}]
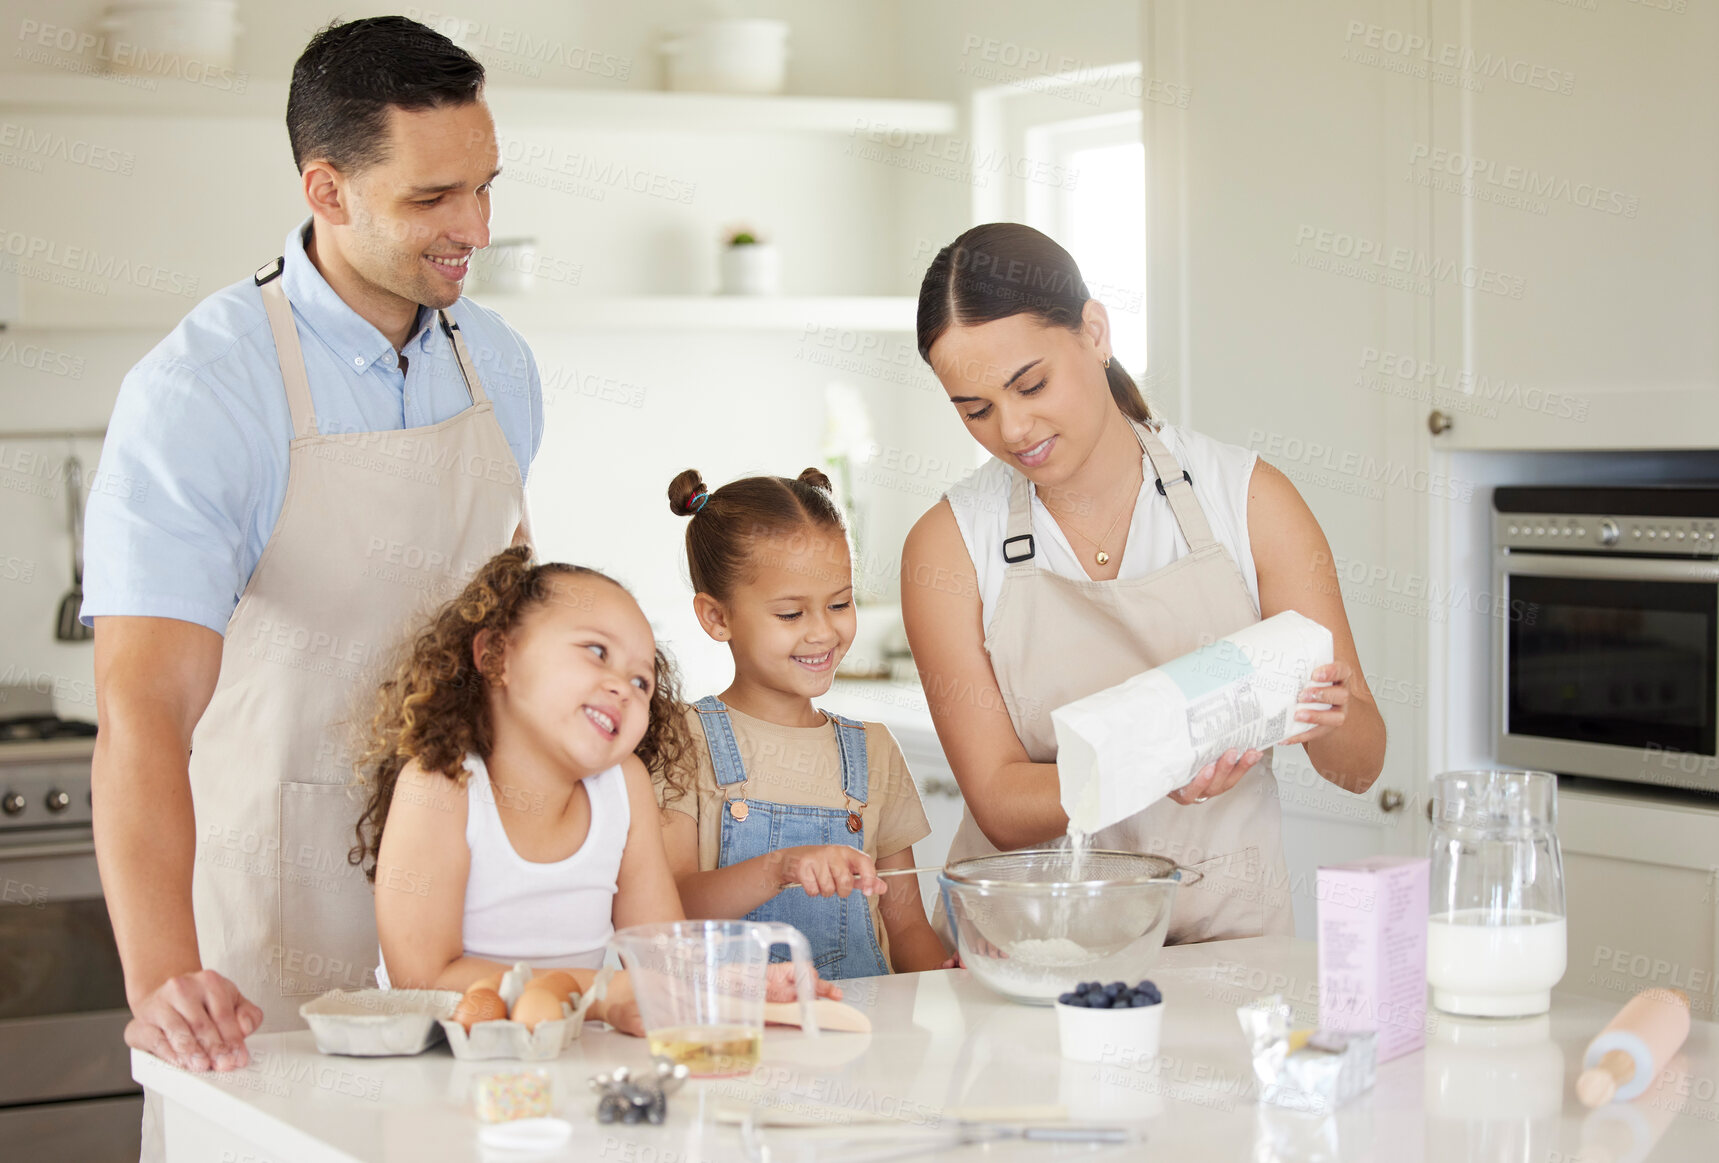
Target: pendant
[
  {"x": 738, "y": 809},
  {"x": 854, "y": 824},
  {"x": 1102, "y": 557}
]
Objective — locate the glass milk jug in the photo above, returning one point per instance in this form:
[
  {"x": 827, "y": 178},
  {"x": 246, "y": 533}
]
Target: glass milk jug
[{"x": 1495, "y": 934}]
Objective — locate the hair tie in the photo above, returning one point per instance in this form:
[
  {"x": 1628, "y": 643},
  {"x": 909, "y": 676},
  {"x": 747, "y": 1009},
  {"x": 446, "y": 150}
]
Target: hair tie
[{"x": 698, "y": 501}]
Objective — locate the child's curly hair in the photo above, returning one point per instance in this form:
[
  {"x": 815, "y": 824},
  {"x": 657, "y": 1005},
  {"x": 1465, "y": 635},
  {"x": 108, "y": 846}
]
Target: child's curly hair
[{"x": 435, "y": 708}]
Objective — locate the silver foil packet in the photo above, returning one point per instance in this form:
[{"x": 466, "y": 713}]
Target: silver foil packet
[{"x": 1313, "y": 1071}]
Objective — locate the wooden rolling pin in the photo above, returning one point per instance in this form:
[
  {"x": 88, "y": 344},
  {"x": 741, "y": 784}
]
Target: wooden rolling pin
[
  {"x": 1622, "y": 1061},
  {"x": 831, "y": 1015}
]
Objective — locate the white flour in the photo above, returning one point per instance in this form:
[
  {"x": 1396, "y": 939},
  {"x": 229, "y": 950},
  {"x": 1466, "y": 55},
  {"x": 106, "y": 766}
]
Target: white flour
[
  {"x": 1049, "y": 953},
  {"x": 1078, "y": 844}
]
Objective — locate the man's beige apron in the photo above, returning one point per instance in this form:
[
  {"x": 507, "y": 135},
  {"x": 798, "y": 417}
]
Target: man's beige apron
[
  {"x": 377, "y": 529},
  {"x": 1055, "y": 639}
]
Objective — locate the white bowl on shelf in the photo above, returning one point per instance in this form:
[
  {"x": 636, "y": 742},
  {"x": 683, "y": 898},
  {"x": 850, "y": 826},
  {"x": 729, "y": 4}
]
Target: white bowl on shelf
[
  {"x": 730, "y": 56},
  {"x": 202, "y": 33}
]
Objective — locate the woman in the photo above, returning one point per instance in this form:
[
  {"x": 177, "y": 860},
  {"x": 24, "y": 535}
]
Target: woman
[{"x": 1098, "y": 543}]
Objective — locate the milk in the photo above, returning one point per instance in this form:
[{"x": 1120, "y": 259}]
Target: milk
[{"x": 1495, "y": 970}]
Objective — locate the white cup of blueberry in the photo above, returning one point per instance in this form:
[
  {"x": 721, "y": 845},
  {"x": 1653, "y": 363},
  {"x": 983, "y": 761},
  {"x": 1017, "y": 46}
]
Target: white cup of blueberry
[{"x": 1113, "y": 1023}]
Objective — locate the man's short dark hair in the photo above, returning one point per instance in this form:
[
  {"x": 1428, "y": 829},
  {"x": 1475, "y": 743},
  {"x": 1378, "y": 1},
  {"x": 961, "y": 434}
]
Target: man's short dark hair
[{"x": 348, "y": 76}]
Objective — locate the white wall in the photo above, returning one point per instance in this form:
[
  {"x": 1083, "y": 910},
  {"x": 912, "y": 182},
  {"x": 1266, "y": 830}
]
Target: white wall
[{"x": 211, "y": 198}]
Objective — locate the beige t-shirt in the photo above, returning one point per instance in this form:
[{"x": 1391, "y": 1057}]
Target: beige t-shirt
[{"x": 803, "y": 766}]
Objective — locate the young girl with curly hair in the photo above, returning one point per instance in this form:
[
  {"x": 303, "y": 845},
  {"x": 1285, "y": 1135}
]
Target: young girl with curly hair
[
  {"x": 511, "y": 815},
  {"x": 780, "y": 811}
]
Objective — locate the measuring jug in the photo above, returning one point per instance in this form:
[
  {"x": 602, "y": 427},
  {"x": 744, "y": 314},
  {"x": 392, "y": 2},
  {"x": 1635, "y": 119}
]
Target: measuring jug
[{"x": 700, "y": 986}]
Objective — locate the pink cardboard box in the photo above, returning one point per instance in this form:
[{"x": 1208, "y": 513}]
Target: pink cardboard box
[{"x": 1373, "y": 950}]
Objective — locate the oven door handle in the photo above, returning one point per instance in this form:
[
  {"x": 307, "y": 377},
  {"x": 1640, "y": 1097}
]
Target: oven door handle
[
  {"x": 1624, "y": 568},
  {"x": 52, "y": 849}
]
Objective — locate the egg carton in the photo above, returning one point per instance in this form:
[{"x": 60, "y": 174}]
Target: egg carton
[
  {"x": 378, "y": 1023},
  {"x": 504, "y": 1038}
]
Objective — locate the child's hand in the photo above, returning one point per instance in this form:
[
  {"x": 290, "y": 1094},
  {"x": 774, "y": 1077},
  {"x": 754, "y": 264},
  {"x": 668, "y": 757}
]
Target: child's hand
[
  {"x": 954, "y": 962},
  {"x": 619, "y": 1007},
  {"x": 830, "y": 870},
  {"x": 779, "y": 984}
]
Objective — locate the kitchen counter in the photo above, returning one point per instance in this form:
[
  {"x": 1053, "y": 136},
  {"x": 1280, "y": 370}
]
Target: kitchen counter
[{"x": 943, "y": 1046}]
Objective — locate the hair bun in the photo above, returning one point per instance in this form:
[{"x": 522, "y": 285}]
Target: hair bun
[
  {"x": 816, "y": 478},
  {"x": 684, "y": 490}
]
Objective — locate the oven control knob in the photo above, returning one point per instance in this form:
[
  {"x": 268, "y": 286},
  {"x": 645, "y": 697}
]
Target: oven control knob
[
  {"x": 1608, "y": 532},
  {"x": 57, "y": 800},
  {"x": 12, "y": 803}
]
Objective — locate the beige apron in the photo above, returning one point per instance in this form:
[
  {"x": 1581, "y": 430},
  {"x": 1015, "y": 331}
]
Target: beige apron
[
  {"x": 1055, "y": 639},
  {"x": 377, "y": 529}
]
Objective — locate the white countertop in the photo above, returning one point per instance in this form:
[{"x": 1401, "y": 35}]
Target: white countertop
[{"x": 941, "y": 1044}]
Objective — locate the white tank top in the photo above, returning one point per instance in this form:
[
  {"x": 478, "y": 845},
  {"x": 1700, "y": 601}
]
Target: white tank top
[
  {"x": 552, "y": 916},
  {"x": 1220, "y": 475}
]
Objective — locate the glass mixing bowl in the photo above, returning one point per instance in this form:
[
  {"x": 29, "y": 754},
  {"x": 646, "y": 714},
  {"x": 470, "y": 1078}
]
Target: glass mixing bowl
[{"x": 1029, "y": 930}]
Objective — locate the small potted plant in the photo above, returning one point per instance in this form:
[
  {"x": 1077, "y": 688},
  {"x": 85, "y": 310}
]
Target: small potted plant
[{"x": 750, "y": 265}]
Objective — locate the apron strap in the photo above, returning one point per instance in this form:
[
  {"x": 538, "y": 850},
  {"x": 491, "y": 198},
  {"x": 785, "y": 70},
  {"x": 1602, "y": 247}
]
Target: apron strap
[
  {"x": 850, "y": 741},
  {"x": 287, "y": 351},
  {"x": 1019, "y": 548},
  {"x": 1177, "y": 487},
  {"x": 474, "y": 382},
  {"x": 719, "y": 740}
]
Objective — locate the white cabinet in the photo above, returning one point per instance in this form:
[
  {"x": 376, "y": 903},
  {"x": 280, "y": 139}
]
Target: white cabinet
[
  {"x": 1642, "y": 884},
  {"x": 1266, "y": 335},
  {"x": 1571, "y": 161}
]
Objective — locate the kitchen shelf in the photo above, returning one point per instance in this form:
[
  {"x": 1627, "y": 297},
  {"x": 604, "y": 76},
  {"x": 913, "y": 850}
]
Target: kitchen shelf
[
  {"x": 545, "y": 107},
  {"x": 565, "y": 313},
  {"x": 531, "y": 313}
]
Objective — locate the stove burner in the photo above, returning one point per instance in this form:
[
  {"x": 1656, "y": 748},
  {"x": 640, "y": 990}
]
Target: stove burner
[{"x": 34, "y": 728}]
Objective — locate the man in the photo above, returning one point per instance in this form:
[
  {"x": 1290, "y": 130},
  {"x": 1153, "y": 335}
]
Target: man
[{"x": 320, "y": 463}]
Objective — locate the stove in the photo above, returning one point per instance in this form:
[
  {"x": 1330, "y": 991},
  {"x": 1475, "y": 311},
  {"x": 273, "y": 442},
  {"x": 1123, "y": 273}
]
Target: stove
[{"x": 66, "y": 1090}]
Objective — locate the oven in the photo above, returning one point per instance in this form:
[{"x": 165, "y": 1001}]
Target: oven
[
  {"x": 66, "y": 1091},
  {"x": 1608, "y": 653}
]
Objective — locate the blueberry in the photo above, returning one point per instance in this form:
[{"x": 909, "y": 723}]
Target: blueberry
[
  {"x": 1087, "y": 987},
  {"x": 1071, "y": 999},
  {"x": 1098, "y": 1001},
  {"x": 1140, "y": 999},
  {"x": 1115, "y": 987}
]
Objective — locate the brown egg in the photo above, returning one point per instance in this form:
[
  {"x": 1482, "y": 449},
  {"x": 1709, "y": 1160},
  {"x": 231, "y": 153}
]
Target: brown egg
[
  {"x": 536, "y": 1005},
  {"x": 557, "y": 981},
  {"x": 492, "y": 982},
  {"x": 479, "y": 1005}
]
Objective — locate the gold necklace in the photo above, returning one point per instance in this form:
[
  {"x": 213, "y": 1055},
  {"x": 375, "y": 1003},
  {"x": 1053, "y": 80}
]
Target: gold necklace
[{"x": 1101, "y": 557}]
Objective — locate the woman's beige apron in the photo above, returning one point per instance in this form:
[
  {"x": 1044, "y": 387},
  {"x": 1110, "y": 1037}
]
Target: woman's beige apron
[
  {"x": 1055, "y": 639},
  {"x": 377, "y": 529}
]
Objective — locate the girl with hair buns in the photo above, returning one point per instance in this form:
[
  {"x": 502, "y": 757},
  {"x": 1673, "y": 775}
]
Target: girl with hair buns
[
  {"x": 781, "y": 811},
  {"x": 511, "y": 814}
]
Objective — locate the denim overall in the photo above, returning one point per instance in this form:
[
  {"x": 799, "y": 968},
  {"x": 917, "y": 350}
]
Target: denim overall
[{"x": 840, "y": 932}]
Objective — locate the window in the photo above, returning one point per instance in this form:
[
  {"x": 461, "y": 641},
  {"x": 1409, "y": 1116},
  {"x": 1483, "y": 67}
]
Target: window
[{"x": 1082, "y": 181}]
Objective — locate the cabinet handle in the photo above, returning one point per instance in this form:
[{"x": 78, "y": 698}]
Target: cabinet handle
[
  {"x": 936, "y": 785},
  {"x": 1438, "y": 423},
  {"x": 1391, "y": 800}
]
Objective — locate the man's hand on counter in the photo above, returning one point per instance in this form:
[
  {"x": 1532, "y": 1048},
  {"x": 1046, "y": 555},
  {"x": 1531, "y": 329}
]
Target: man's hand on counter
[{"x": 196, "y": 1021}]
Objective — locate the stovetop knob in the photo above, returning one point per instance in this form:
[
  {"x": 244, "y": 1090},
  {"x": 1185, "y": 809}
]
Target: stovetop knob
[
  {"x": 12, "y": 803},
  {"x": 57, "y": 800}
]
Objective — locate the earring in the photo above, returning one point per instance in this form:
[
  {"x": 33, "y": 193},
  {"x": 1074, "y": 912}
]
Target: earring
[{"x": 1107, "y": 362}]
